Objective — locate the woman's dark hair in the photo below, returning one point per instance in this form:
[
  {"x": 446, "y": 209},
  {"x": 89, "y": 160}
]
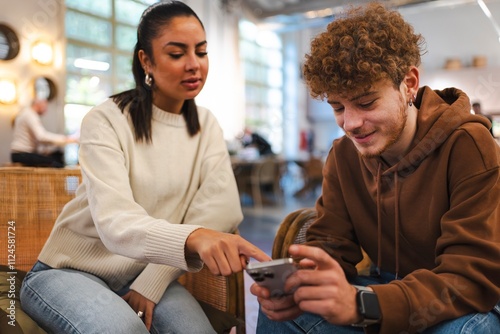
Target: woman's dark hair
[{"x": 140, "y": 98}]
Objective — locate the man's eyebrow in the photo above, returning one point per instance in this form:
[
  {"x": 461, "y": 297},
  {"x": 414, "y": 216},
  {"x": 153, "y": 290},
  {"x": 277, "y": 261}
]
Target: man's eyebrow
[
  {"x": 353, "y": 98},
  {"x": 184, "y": 45}
]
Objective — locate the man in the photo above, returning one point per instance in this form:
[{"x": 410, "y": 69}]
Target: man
[
  {"x": 255, "y": 140},
  {"x": 415, "y": 182},
  {"x": 30, "y": 134},
  {"x": 476, "y": 107}
]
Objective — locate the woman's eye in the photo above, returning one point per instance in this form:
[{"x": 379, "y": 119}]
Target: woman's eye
[
  {"x": 338, "y": 109},
  {"x": 176, "y": 55},
  {"x": 202, "y": 54}
]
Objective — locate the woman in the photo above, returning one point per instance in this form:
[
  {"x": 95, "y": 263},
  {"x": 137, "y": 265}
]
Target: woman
[{"x": 157, "y": 184}]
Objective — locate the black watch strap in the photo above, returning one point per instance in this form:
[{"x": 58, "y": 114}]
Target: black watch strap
[{"x": 368, "y": 307}]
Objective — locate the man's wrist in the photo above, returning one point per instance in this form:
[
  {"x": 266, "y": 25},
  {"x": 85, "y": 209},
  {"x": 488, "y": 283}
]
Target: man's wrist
[{"x": 367, "y": 307}]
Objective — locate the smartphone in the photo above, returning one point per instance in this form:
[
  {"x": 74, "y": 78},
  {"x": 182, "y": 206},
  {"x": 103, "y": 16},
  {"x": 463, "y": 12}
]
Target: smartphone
[{"x": 272, "y": 274}]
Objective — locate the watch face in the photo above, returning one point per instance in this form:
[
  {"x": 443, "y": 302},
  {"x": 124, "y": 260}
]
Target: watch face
[{"x": 368, "y": 304}]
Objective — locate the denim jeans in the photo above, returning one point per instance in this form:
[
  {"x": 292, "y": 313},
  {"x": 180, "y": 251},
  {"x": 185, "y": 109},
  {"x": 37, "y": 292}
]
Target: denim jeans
[
  {"x": 475, "y": 323},
  {"x": 70, "y": 301}
]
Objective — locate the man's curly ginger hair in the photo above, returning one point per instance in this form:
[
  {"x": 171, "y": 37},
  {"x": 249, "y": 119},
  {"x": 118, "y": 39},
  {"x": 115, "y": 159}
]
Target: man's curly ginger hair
[{"x": 363, "y": 46}]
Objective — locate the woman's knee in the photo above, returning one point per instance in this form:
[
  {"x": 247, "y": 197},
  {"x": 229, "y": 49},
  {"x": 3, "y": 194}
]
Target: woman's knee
[
  {"x": 66, "y": 301},
  {"x": 179, "y": 312}
]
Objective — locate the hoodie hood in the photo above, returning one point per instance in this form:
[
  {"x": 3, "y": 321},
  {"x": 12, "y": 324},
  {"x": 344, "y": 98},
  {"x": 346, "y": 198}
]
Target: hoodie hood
[{"x": 440, "y": 113}]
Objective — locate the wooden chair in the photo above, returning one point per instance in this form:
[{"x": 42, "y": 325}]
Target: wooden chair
[
  {"x": 312, "y": 171},
  {"x": 266, "y": 173},
  {"x": 292, "y": 230},
  {"x": 32, "y": 198}
]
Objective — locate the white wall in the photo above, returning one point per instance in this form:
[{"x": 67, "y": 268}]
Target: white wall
[
  {"x": 32, "y": 20},
  {"x": 461, "y": 31},
  {"x": 224, "y": 91}
]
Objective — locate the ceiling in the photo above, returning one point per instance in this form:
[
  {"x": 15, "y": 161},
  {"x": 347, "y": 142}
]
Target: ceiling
[{"x": 305, "y": 12}]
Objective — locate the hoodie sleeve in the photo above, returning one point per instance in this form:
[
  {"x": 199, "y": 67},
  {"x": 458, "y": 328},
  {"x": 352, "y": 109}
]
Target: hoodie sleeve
[{"x": 333, "y": 229}]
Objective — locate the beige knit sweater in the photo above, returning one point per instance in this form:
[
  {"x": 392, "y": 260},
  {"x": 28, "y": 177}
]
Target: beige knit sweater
[{"x": 139, "y": 202}]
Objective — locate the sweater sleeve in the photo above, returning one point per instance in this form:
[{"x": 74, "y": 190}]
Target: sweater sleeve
[
  {"x": 154, "y": 280},
  {"x": 333, "y": 229}
]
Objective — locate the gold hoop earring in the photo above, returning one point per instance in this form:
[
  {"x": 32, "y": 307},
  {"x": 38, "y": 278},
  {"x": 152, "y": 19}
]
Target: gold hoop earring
[{"x": 148, "y": 80}]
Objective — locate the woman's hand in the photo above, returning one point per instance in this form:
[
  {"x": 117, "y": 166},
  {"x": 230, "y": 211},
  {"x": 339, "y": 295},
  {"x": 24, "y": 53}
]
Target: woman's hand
[
  {"x": 139, "y": 303},
  {"x": 223, "y": 253}
]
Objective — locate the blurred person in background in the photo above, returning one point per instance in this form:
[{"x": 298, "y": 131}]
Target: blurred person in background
[
  {"x": 476, "y": 107},
  {"x": 32, "y": 145}
]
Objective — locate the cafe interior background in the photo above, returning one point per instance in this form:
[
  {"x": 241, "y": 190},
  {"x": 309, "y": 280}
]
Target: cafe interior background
[{"x": 77, "y": 53}]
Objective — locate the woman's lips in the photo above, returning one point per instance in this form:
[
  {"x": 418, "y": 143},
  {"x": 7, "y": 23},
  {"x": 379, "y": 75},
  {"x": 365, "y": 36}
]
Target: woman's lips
[{"x": 191, "y": 84}]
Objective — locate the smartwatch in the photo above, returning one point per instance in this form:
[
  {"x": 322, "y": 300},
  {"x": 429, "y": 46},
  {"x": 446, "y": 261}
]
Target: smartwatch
[{"x": 368, "y": 307}]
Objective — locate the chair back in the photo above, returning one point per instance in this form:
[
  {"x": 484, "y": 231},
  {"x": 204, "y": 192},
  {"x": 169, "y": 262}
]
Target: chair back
[
  {"x": 266, "y": 171},
  {"x": 30, "y": 201},
  {"x": 292, "y": 230}
]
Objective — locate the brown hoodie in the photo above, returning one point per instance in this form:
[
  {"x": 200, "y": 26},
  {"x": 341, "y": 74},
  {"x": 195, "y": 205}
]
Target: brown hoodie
[{"x": 433, "y": 219}]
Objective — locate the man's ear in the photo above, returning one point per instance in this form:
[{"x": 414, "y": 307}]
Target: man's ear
[{"x": 412, "y": 80}]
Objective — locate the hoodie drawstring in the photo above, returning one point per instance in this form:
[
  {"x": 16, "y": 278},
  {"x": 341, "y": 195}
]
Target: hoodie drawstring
[
  {"x": 396, "y": 221},
  {"x": 379, "y": 221}
]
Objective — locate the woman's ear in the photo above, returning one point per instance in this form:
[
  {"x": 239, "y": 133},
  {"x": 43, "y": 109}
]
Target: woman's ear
[
  {"x": 411, "y": 80},
  {"x": 144, "y": 59}
]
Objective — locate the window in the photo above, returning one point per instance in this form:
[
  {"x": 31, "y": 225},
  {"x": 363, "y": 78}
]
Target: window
[
  {"x": 101, "y": 35},
  {"x": 262, "y": 58}
]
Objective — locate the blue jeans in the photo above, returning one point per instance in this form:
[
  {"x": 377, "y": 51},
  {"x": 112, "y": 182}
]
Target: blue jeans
[
  {"x": 475, "y": 323},
  {"x": 70, "y": 301}
]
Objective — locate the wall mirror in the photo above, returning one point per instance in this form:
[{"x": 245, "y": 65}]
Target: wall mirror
[
  {"x": 9, "y": 43},
  {"x": 44, "y": 88}
]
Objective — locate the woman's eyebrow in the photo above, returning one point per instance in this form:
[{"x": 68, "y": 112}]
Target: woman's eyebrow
[{"x": 184, "y": 45}]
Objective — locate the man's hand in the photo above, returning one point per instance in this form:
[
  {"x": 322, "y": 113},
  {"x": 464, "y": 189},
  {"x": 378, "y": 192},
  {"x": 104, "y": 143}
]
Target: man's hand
[
  {"x": 139, "y": 303},
  {"x": 321, "y": 288},
  {"x": 223, "y": 253},
  {"x": 278, "y": 309}
]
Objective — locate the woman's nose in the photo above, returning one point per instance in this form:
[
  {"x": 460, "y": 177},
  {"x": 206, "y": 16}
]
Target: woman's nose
[{"x": 192, "y": 63}]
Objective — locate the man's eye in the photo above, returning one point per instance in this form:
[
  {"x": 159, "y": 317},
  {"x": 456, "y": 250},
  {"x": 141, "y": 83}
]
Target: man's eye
[
  {"x": 366, "y": 105},
  {"x": 338, "y": 110}
]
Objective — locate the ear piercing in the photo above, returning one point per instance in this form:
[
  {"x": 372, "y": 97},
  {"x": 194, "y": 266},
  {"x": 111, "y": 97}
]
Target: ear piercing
[{"x": 412, "y": 100}]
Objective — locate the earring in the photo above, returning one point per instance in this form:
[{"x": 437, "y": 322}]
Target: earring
[
  {"x": 412, "y": 99},
  {"x": 148, "y": 80}
]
